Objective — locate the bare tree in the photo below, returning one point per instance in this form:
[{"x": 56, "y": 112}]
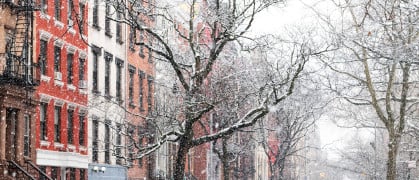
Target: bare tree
[
  {"x": 195, "y": 38},
  {"x": 375, "y": 64}
]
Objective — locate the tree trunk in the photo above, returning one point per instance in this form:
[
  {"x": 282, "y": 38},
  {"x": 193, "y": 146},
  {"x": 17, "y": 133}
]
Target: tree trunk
[
  {"x": 392, "y": 157},
  {"x": 226, "y": 167},
  {"x": 180, "y": 159}
]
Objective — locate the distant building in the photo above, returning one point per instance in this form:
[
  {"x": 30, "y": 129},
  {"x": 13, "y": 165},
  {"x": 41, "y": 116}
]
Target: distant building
[{"x": 139, "y": 91}]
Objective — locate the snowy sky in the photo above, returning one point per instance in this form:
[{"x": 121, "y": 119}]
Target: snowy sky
[{"x": 279, "y": 19}]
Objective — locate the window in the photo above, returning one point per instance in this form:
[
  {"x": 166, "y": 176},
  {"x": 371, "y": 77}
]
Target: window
[
  {"x": 57, "y": 123},
  {"x": 55, "y": 172},
  {"x": 131, "y": 130},
  {"x": 82, "y": 174},
  {"x": 44, "y": 6},
  {"x": 119, "y": 65},
  {"x": 131, "y": 70},
  {"x": 27, "y": 137},
  {"x": 141, "y": 40},
  {"x": 44, "y": 170},
  {"x": 95, "y": 136},
  {"x": 95, "y": 72},
  {"x": 43, "y": 56},
  {"x": 43, "y": 121},
  {"x": 150, "y": 52},
  {"x": 108, "y": 59},
  {"x": 72, "y": 174},
  {"x": 118, "y": 143},
  {"x": 57, "y": 59},
  {"x": 82, "y": 8},
  {"x": 70, "y": 68},
  {"x": 141, "y": 90},
  {"x": 150, "y": 92},
  {"x": 70, "y": 12},
  {"x": 108, "y": 19},
  {"x": 132, "y": 38},
  {"x": 70, "y": 124},
  {"x": 95, "y": 21},
  {"x": 57, "y": 14},
  {"x": 81, "y": 69},
  {"x": 107, "y": 141},
  {"x": 96, "y": 52},
  {"x": 81, "y": 130},
  {"x": 118, "y": 28}
]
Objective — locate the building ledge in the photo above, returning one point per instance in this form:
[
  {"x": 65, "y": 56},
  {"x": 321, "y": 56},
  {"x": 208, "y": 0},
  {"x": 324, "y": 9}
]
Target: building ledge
[
  {"x": 82, "y": 149},
  {"x": 45, "y": 143},
  {"x": 44, "y": 16},
  {"x": 71, "y": 147},
  {"x": 72, "y": 31},
  {"x": 58, "y": 24},
  {"x": 58, "y": 145},
  {"x": 58, "y": 83},
  {"x": 45, "y": 78},
  {"x": 61, "y": 159},
  {"x": 71, "y": 87}
]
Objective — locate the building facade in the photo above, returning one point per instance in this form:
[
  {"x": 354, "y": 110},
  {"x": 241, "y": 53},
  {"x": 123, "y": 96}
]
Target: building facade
[
  {"x": 60, "y": 49},
  {"x": 18, "y": 82},
  {"x": 139, "y": 98},
  {"x": 107, "y": 87}
]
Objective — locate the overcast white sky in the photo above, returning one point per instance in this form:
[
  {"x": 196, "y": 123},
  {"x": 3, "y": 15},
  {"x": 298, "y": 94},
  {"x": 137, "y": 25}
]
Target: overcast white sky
[{"x": 277, "y": 20}]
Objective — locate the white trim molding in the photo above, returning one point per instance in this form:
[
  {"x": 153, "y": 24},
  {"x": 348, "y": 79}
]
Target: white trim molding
[{"x": 61, "y": 159}]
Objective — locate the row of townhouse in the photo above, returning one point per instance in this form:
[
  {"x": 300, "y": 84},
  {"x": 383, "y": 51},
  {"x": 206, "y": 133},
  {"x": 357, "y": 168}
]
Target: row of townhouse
[{"x": 72, "y": 86}]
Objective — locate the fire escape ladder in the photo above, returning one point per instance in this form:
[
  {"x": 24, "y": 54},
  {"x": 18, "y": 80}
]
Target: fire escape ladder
[
  {"x": 39, "y": 171},
  {"x": 19, "y": 63},
  {"x": 21, "y": 169}
]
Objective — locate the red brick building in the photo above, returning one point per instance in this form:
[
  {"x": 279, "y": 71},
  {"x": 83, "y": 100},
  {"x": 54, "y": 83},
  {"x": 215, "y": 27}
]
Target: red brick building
[
  {"x": 18, "y": 81},
  {"x": 139, "y": 96},
  {"x": 60, "y": 49}
]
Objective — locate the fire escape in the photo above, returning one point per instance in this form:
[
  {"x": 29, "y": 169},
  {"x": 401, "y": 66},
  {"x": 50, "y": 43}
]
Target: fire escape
[
  {"x": 18, "y": 71},
  {"x": 19, "y": 68}
]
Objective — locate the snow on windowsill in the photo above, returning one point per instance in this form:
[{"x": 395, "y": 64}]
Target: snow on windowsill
[
  {"x": 71, "y": 147},
  {"x": 58, "y": 24},
  {"x": 82, "y": 91},
  {"x": 59, "y": 83},
  {"x": 72, "y": 31},
  {"x": 44, "y": 16},
  {"x": 45, "y": 78},
  {"x": 71, "y": 87},
  {"x": 45, "y": 143},
  {"x": 58, "y": 145},
  {"x": 83, "y": 149}
]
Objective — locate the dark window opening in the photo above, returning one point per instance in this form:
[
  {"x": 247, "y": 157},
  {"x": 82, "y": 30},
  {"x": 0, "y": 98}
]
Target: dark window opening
[
  {"x": 27, "y": 137},
  {"x": 57, "y": 14},
  {"x": 95, "y": 20},
  {"x": 57, "y": 59},
  {"x": 43, "y": 56},
  {"x": 57, "y": 123},
  {"x": 43, "y": 121},
  {"x": 150, "y": 93},
  {"x": 81, "y": 130},
  {"x": 108, "y": 19},
  {"x": 141, "y": 90},
  {"x": 70, "y": 124},
  {"x": 108, "y": 59},
  {"x": 107, "y": 141},
  {"x": 70, "y": 68},
  {"x": 95, "y": 143}
]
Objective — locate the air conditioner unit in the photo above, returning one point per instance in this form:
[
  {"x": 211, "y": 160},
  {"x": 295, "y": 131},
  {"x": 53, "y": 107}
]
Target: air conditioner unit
[
  {"x": 82, "y": 84},
  {"x": 58, "y": 76}
]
